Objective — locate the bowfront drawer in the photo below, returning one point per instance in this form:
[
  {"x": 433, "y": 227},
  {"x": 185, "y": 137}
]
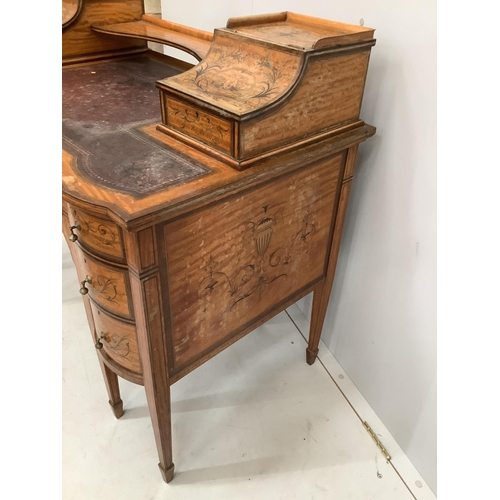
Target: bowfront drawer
[
  {"x": 118, "y": 340},
  {"x": 107, "y": 285},
  {"x": 98, "y": 235}
]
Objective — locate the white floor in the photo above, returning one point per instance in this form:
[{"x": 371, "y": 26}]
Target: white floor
[{"x": 255, "y": 422}]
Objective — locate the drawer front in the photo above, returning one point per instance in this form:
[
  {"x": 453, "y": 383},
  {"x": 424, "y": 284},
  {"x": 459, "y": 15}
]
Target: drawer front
[
  {"x": 98, "y": 235},
  {"x": 110, "y": 287},
  {"x": 231, "y": 264},
  {"x": 120, "y": 340},
  {"x": 205, "y": 127}
]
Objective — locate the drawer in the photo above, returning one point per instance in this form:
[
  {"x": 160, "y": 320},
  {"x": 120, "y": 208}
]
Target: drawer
[
  {"x": 119, "y": 340},
  {"x": 109, "y": 286},
  {"x": 99, "y": 235},
  {"x": 205, "y": 127}
]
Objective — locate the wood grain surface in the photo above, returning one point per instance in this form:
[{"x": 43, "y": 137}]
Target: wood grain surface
[
  {"x": 229, "y": 264},
  {"x": 113, "y": 388},
  {"x": 302, "y": 35},
  {"x": 329, "y": 95},
  {"x": 238, "y": 76},
  {"x": 274, "y": 85},
  {"x": 110, "y": 286},
  {"x": 185, "y": 254},
  {"x": 132, "y": 213},
  {"x": 190, "y": 40},
  {"x": 199, "y": 124},
  {"x": 70, "y": 10},
  {"x": 129, "y": 211},
  {"x": 80, "y": 42},
  {"x": 120, "y": 339},
  {"x": 100, "y": 235},
  {"x": 153, "y": 351},
  {"x": 298, "y": 30},
  {"x": 321, "y": 295}
]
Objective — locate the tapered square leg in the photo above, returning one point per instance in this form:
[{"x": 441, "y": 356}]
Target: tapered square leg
[
  {"x": 153, "y": 350},
  {"x": 168, "y": 474},
  {"x": 317, "y": 318},
  {"x": 311, "y": 356},
  {"x": 321, "y": 294},
  {"x": 111, "y": 382}
]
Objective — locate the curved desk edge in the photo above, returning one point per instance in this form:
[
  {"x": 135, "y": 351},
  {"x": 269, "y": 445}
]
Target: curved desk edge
[{"x": 191, "y": 40}]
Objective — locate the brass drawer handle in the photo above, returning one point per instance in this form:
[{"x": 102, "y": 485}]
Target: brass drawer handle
[
  {"x": 72, "y": 236},
  {"x": 99, "y": 345},
  {"x": 84, "y": 290}
]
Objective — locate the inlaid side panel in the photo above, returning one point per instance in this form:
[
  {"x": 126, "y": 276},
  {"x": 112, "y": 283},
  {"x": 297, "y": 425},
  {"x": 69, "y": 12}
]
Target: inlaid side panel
[
  {"x": 329, "y": 94},
  {"x": 229, "y": 264}
]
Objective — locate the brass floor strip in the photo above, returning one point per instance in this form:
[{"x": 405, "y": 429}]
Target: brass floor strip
[{"x": 348, "y": 402}]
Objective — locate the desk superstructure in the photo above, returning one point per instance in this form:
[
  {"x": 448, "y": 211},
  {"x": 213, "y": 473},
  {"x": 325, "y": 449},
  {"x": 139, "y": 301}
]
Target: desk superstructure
[{"x": 196, "y": 216}]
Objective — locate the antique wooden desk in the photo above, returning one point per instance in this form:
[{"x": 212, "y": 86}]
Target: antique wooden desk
[{"x": 194, "y": 217}]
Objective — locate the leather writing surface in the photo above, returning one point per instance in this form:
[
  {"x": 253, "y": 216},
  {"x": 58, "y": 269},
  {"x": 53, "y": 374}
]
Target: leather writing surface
[{"x": 104, "y": 108}]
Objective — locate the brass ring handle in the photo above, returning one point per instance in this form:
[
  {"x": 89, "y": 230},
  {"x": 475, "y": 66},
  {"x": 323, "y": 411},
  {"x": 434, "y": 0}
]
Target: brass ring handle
[
  {"x": 99, "y": 345},
  {"x": 72, "y": 236},
  {"x": 84, "y": 290}
]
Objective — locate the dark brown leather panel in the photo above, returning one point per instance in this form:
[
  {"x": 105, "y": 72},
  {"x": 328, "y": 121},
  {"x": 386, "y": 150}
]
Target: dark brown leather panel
[{"x": 104, "y": 107}]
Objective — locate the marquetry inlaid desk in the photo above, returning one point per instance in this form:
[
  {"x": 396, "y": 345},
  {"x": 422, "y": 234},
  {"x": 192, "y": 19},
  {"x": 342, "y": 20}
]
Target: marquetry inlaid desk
[{"x": 196, "y": 215}]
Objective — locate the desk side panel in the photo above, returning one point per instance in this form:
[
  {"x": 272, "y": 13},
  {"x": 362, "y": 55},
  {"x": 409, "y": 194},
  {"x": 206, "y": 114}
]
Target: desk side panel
[
  {"x": 231, "y": 264},
  {"x": 328, "y": 97}
]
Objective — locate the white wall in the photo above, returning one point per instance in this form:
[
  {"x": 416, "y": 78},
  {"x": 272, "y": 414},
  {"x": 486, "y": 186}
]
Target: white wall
[
  {"x": 381, "y": 320},
  {"x": 153, "y": 8}
]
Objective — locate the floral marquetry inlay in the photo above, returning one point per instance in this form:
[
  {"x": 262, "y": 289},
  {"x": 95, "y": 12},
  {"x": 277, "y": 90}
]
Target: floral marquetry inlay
[
  {"x": 102, "y": 234},
  {"x": 268, "y": 263},
  {"x": 119, "y": 344},
  {"x": 108, "y": 287},
  {"x": 196, "y": 123},
  {"x": 231, "y": 262},
  {"x": 239, "y": 78}
]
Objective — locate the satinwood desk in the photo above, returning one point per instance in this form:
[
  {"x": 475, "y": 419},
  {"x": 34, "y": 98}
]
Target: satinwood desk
[{"x": 197, "y": 215}]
